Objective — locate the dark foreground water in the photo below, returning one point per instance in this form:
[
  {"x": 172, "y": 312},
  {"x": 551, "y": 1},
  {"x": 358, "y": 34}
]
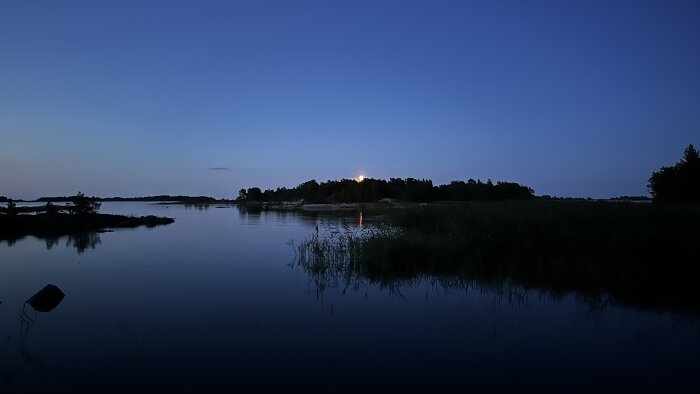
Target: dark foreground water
[{"x": 210, "y": 303}]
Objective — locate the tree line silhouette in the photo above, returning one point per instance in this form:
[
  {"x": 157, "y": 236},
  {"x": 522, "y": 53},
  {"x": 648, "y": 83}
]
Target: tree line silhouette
[
  {"x": 680, "y": 182},
  {"x": 79, "y": 204},
  {"x": 409, "y": 189}
]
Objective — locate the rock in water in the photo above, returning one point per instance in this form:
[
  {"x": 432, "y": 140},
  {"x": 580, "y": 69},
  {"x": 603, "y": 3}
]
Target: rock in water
[{"x": 46, "y": 299}]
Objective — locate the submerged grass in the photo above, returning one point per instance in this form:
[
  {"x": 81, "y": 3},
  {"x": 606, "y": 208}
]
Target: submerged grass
[{"x": 645, "y": 255}]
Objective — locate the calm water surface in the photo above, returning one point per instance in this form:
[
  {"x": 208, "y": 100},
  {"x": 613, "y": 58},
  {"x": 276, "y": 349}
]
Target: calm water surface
[{"x": 211, "y": 303}]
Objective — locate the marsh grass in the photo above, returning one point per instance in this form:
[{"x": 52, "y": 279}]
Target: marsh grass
[
  {"x": 336, "y": 257},
  {"x": 645, "y": 255}
]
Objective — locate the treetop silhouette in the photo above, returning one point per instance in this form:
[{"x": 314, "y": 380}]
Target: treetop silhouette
[
  {"x": 680, "y": 182},
  {"x": 409, "y": 189}
]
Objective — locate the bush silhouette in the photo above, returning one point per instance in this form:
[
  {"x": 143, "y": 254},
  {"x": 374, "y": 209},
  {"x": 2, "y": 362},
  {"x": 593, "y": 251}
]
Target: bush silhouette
[
  {"x": 11, "y": 208},
  {"x": 82, "y": 205}
]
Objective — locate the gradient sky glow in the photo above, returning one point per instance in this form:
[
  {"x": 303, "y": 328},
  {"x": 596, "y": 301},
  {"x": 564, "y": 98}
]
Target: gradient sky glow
[{"x": 572, "y": 98}]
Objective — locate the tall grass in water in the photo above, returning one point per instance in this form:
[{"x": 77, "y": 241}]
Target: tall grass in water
[
  {"x": 337, "y": 256},
  {"x": 640, "y": 254}
]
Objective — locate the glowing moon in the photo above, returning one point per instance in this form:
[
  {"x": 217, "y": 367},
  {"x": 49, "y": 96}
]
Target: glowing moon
[{"x": 360, "y": 178}]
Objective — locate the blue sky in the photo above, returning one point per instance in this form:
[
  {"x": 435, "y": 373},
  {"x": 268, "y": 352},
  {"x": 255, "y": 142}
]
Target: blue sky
[{"x": 147, "y": 97}]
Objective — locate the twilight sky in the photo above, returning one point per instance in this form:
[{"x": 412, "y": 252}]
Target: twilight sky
[{"x": 572, "y": 98}]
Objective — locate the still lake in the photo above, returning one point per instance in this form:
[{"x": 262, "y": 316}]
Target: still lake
[{"x": 212, "y": 303}]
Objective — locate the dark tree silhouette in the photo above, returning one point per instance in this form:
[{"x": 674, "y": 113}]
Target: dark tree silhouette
[
  {"x": 11, "y": 208},
  {"x": 50, "y": 208},
  {"x": 82, "y": 205},
  {"x": 410, "y": 189},
  {"x": 254, "y": 194},
  {"x": 680, "y": 182}
]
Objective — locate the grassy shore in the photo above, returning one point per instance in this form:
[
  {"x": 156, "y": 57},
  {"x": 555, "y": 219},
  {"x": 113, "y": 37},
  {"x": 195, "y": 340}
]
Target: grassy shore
[{"x": 639, "y": 254}]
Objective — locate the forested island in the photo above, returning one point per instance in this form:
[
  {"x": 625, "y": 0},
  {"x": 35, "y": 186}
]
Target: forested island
[
  {"x": 80, "y": 215},
  {"x": 680, "y": 183},
  {"x": 372, "y": 190}
]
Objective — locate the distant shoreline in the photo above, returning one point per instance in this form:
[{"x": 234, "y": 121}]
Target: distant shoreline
[{"x": 158, "y": 198}]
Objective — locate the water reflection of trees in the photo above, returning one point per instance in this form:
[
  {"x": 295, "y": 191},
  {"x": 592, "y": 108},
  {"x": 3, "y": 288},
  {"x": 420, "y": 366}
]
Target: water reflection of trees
[
  {"x": 10, "y": 242},
  {"x": 81, "y": 241},
  {"x": 254, "y": 215}
]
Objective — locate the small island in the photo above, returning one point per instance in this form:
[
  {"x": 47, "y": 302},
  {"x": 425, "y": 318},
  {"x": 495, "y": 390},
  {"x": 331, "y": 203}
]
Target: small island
[{"x": 79, "y": 215}]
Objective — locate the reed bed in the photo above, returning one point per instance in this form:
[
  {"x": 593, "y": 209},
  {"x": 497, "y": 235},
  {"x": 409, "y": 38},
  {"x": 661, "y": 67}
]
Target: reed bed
[{"x": 645, "y": 255}]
